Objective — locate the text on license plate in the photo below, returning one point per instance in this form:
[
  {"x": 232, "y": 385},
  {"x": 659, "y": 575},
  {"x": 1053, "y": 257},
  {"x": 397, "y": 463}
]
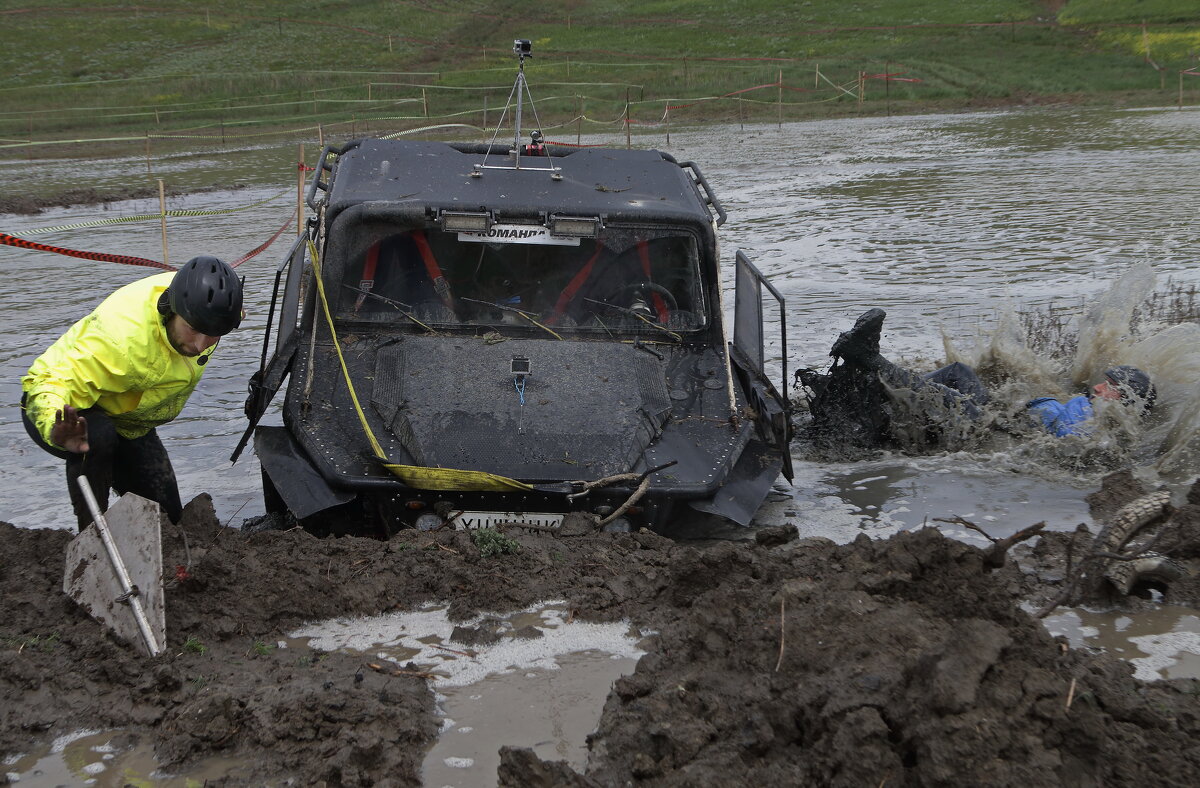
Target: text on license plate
[{"x": 473, "y": 520}]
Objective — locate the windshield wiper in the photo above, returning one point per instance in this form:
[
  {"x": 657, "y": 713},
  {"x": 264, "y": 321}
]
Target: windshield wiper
[
  {"x": 399, "y": 306},
  {"x": 634, "y": 313},
  {"x": 513, "y": 309}
]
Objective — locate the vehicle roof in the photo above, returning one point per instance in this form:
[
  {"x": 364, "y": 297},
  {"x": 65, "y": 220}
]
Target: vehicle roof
[{"x": 415, "y": 176}]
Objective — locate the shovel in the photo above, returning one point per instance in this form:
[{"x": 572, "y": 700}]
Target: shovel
[{"x": 114, "y": 570}]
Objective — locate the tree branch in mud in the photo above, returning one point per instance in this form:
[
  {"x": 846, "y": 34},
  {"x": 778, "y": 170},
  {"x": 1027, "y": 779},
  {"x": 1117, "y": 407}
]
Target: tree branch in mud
[
  {"x": 1090, "y": 567},
  {"x": 994, "y": 556}
]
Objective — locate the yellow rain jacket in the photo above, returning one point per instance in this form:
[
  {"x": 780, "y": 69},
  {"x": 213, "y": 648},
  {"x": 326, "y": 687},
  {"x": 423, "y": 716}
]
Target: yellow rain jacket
[{"x": 117, "y": 358}]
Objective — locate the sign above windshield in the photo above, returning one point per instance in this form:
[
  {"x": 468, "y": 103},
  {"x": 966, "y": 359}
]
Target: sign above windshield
[{"x": 518, "y": 234}]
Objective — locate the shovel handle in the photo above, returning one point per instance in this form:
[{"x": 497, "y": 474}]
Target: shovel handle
[{"x": 129, "y": 592}]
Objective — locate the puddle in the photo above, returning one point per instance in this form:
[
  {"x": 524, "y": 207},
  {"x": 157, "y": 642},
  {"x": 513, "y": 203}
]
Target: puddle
[
  {"x": 532, "y": 678},
  {"x": 1163, "y": 643},
  {"x": 105, "y": 759},
  {"x": 551, "y": 712},
  {"x": 840, "y": 501}
]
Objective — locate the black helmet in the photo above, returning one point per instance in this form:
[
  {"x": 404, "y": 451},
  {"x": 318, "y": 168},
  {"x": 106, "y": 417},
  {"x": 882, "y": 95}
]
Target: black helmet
[
  {"x": 208, "y": 295},
  {"x": 1132, "y": 380}
]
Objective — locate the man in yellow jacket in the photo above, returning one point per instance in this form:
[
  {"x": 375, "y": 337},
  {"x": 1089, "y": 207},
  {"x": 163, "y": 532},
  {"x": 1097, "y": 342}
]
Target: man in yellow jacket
[{"x": 95, "y": 397}]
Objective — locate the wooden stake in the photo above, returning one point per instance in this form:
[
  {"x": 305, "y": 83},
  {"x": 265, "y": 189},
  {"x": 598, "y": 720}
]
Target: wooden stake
[
  {"x": 425, "y": 102},
  {"x": 321, "y": 136},
  {"x": 887, "y": 89},
  {"x": 485, "y": 114},
  {"x": 389, "y": 42},
  {"x": 162, "y": 208},
  {"x": 147, "y": 153},
  {"x": 667, "y": 117},
  {"x": 780, "y": 98},
  {"x": 627, "y": 141},
  {"x": 1070, "y": 695},
  {"x": 578, "y": 120},
  {"x": 817, "y": 76},
  {"x": 1180, "y": 90}
]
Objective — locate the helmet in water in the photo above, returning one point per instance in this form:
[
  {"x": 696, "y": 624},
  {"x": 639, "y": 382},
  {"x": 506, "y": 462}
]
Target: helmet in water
[
  {"x": 1131, "y": 380},
  {"x": 208, "y": 295}
]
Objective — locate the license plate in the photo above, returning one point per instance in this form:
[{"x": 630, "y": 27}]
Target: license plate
[{"x": 472, "y": 520}]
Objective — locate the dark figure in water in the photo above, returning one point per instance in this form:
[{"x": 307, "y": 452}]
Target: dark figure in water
[
  {"x": 868, "y": 402},
  {"x": 851, "y": 405}
]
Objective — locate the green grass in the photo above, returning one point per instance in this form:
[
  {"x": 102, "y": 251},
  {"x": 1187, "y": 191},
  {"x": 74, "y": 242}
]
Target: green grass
[
  {"x": 287, "y": 69},
  {"x": 491, "y": 542}
]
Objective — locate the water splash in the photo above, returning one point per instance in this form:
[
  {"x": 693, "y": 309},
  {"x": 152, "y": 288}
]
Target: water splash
[{"x": 1109, "y": 331}]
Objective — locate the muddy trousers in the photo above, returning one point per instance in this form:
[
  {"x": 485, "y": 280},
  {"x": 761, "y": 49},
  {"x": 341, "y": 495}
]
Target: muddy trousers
[{"x": 136, "y": 465}]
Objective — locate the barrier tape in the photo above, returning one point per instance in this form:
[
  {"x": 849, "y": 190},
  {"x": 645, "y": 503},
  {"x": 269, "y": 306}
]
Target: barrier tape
[
  {"x": 142, "y": 217},
  {"x": 124, "y": 259},
  {"x": 891, "y": 77},
  {"x": 12, "y": 240},
  {"x": 254, "y": 252}
]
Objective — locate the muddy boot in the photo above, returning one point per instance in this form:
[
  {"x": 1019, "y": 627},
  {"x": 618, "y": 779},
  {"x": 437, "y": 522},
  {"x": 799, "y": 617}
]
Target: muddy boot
[{"x": 860, "y": 345}]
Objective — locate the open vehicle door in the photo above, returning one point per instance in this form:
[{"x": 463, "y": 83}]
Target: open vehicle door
[{"x": 770, "y": 406}]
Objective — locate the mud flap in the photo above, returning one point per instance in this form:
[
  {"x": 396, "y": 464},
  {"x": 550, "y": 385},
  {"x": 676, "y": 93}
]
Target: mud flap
[
  {"x": 298, "y": 483},
  {"x": 93, "y": 576},
  {"x": 749, "y": 482}
]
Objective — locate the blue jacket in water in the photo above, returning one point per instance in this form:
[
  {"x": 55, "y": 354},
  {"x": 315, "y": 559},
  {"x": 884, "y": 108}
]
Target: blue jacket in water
[{"x": 1062, "y": 418}]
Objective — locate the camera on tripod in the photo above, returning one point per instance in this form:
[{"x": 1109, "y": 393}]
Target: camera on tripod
[{"x": 523, "y": 47}]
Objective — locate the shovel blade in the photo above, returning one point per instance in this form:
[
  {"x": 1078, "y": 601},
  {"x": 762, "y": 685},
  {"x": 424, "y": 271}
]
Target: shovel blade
[{"x": 91, "y": 580}]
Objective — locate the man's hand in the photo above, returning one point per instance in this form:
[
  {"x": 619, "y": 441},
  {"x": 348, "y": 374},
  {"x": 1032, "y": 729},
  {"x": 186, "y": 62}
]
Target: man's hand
[{"x": 70, "y": 430}]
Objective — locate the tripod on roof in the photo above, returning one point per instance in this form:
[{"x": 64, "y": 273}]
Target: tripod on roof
[{"x": 520, "y": 90}]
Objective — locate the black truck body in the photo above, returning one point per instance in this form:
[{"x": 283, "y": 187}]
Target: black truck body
[{"x": 527, "y": 333}]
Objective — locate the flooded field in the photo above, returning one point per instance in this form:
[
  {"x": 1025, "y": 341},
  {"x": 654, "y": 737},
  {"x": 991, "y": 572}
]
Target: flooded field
[{"x": 953, "y": 224}]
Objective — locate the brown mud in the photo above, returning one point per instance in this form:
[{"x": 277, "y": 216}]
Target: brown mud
[
  {"x": 32, "y": 204},
  {"x": 777, "y": 661}
]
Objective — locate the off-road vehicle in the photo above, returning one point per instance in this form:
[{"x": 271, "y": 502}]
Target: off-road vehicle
[{"x": 475, "y": 334}]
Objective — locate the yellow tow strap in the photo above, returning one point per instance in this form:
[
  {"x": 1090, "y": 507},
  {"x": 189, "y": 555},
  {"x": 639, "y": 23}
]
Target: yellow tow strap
[{"x": 415, "y": 476}]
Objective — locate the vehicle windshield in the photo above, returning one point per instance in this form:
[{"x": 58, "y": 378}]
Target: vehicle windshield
[{"x": 637, "y": 280}]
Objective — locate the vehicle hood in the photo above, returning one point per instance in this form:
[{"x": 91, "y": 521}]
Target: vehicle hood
[{"x": 588, "y": 409}]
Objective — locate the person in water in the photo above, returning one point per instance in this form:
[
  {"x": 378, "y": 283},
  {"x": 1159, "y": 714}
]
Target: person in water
[{"x": 852, "y": 404}]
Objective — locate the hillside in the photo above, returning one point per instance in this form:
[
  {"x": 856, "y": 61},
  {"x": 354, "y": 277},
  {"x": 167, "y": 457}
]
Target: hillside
[{"x": 287, "y": 69}]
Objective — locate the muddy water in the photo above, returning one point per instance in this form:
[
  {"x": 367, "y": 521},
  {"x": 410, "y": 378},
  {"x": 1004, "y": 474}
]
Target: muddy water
[
  {"x": 104, "y": 759},
  {"x": 1160, "y": 643},
  {"x": 536, "y": 679}
]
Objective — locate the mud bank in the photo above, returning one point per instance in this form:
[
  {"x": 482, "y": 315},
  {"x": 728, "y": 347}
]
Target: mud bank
[
  {"x": 905, "y": 661},
  {"x": 32, "y": 204}
]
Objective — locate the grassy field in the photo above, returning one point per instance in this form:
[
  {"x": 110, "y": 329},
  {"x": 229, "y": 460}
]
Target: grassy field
[{"x": 174, "y": 72}]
